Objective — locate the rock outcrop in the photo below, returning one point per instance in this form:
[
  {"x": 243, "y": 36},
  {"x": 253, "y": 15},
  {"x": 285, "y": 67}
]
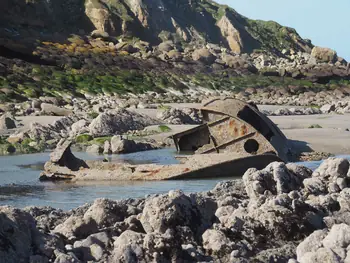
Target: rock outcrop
[
  {"x": 272, "y": 214},
  {"x": 326, "y": 55}
]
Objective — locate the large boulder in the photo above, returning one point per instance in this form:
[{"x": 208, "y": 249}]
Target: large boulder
[
  {"x": 79, "y": 127},
  {"x": 237, "y": 62},
  {"x": 216, "y": 242},
  {"x": 7, "y": 122},
  {"x": 77, "y": 227},
  {"x": 166, "y": 46},
  {"x": 128, "y": 247},
  {"x": 95, "y": 149},
  {"x": 203, "y": 55},
  {"x": 16, "y": 229},
  {"x": 330, "y": 177},
  {"x": 326, "y": 246},
  {"x": 54, "y": 110},
  {"x": 38, "y": 132},
  {"x": 177, "y": 209},
  {"x": 99, "y": 34},
  {"x": 180, "y": 116},
  {"x": 106, "y": 212},
  {"x": 311, "y": 243},
  {"x": 118, "y": 122},
  {"x": 328, "y": 108},
  {"x": 326, "y": 55},
  {"x": 275, "y": 178},
  {"x": 121, "y": 145}
]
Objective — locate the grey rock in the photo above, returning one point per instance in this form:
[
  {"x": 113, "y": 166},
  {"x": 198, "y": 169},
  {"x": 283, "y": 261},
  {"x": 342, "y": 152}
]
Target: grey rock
[
  {"x": 55, "y": 110},
  {"x": 203, "y": 55},
  {"x": 7, "y": 122},
  {"x": 102, "y": 239},
  {"x": 166, "y": 46},
  {"x": 107, "y": 147},
  {"x": 180, "y": 116},
  {"x": 79, "y": 127},
  {"x": 332, "y": 167},
  {"x": 216, "y": 242},
  {"x": 311, "y": 244},
  {"x": 64, "y": 258},
  {"x": 95, "y": 149},
  {"x": 118, "y": 122},
  {"x": 99, "y": 34},
  {"x": 176, "y": 209},
  {"x": 62, "y": 147},
  {"x": 314, "y": 186},
  {"x": 105, "y": 212},
  {"x": 96, "y": 252},
  {"x": 338, "y": 237},
  {"x": 39, "y": 132},
  {"x": 328, "y": 108},
  {"x": 76, "y": 226},
  {"x": 326, "y": 55},
  {"x": 275, "y": 178},
  {"x": 120, "y": 145},
  {"x": 16, "y": 228},
  {"x": 320, "y": 256},
  {"x": 128, "y": 247}
]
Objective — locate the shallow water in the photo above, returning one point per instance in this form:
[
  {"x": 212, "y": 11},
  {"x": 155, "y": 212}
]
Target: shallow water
[{"x": 20, "y": 187}]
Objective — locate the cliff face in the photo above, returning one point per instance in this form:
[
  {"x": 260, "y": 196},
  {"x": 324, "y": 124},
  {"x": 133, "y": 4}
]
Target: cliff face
[{"x": 183, "y": 21}]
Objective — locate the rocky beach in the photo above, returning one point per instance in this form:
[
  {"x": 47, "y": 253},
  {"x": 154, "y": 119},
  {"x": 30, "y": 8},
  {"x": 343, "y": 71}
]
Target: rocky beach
[{"x": 283, "y": 213}]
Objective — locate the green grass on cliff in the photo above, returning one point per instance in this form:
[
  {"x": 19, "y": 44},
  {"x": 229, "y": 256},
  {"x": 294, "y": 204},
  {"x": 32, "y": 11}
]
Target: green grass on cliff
[
  {"x": 68, "y": 83},
  {"x": 273, "y": 36}
]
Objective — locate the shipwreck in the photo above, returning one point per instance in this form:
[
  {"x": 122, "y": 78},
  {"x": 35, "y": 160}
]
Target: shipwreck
[{"x": 234, "y": 137}]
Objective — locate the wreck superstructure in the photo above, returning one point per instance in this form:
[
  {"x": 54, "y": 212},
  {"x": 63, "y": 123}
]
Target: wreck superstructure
[{"x": 233, "y": 126}]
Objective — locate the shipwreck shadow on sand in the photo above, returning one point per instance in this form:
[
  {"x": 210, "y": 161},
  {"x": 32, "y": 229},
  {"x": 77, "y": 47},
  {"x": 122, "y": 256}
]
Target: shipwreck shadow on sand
[{"x": 299, "y": 146}]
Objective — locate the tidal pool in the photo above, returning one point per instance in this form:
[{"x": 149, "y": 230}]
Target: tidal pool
[{"x": 20, "y": 187}]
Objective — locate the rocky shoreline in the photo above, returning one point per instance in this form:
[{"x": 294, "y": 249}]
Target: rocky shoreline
[{"x": 283, "y": 213}]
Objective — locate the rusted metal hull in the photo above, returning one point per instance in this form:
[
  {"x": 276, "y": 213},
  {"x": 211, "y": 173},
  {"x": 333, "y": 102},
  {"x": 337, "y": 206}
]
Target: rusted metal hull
[
  {"x": 232, "y": 126},
  {"x": 196, "y": 167}
]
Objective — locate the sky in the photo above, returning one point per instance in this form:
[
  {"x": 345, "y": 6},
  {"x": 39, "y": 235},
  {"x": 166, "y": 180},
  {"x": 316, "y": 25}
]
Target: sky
[{"x": 325, "y": 22}]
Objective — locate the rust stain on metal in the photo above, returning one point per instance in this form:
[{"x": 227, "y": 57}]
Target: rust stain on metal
[
  {"x": 244, "y": 130},
  {"x": 232, "y": 123},
  {"x": 235, "y": 131},
  {"x": 153, "y": 172}
]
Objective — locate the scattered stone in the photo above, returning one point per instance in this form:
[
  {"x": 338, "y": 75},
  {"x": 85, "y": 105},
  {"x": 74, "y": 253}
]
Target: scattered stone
[
  {"x": 121, "y": 145},
  {"x": 95, "y": 149},
  {"x": 180, "y": 116},
  {"x": 203, "y": 55},
  {"x": 54, "y": 110},
  {"x": 328, "y": 108},
  {"x": 7, "y": 122}
]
